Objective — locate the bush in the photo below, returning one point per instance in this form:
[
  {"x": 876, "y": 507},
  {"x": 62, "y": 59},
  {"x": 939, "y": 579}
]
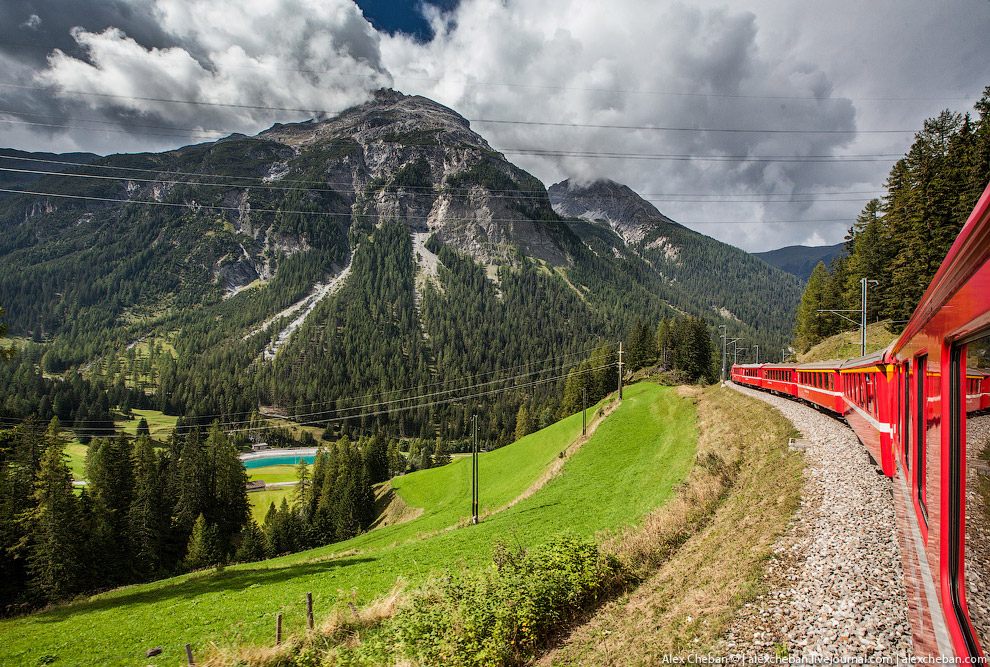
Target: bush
[{"x": 503, "y": 614}]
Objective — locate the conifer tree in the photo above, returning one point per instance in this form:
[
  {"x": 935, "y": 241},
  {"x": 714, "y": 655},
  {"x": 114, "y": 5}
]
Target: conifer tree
[
  {"x": 53, "y": 539},
  {"x": 524, "y": 423},
  {"x": 151, "y": 512},
  {"x": 204, "y": 546}
]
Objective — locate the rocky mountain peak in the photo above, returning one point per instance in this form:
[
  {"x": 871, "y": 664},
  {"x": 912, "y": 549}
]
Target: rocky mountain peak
[
  {"x": 412, "y": 159},
  {"x": 605, "y": 201}
]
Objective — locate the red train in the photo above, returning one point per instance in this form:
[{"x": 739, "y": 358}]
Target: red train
[{"x": 921, "y": 407}]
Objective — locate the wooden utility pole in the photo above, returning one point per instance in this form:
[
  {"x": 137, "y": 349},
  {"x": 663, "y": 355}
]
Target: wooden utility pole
[
  {"x": 620, "y": 370},
  {"x": 474, "y": 474},
  {"x": 584, "y": 412}
]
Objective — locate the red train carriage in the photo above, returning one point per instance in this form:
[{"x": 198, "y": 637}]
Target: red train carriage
[
  {"x": 820, "y": 384},
  {"x": 942, "y": 361},
  {"x": 748, "y": 374},
  {"x": 922, "y": 409},
  {"x": 867, "y": 389},
  {"x": 780, "y": 379}
]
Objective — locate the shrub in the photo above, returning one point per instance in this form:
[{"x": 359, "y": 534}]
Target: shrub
[{"x": 503, "y": 614}]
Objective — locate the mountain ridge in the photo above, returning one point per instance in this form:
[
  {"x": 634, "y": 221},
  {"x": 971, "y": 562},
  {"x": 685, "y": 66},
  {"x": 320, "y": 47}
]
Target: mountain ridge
[{"x": 225, "y": 266}]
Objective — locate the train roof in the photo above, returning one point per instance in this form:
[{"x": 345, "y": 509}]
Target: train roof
[
  {"x": 830, "y": 364},
  {"x": 874, "y": 359}
]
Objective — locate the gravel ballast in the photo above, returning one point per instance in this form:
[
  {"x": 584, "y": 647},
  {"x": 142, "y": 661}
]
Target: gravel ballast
[{"x": 835, "y": 585}]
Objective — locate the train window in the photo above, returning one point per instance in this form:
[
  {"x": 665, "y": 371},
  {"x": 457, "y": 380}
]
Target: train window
[
  {"x": 869, "y": 394},
  {"x": 922, "y": 386},
  {"x": 969, "y": 491}
]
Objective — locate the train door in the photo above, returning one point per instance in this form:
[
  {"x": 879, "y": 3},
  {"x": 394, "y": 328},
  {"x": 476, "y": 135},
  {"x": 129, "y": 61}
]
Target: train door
[
  {"x": 968, "y": 516},
  {"x": 921, "y": 439},
  {"x": 906, "y": 421}
]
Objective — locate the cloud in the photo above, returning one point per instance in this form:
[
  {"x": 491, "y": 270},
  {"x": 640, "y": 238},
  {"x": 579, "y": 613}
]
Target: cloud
[
  {"x": 839, "y": 67},
  {"x": 32, "y": 23},
  {"x": 297, "y": 54},
  {"x": 673, "y": 66}
]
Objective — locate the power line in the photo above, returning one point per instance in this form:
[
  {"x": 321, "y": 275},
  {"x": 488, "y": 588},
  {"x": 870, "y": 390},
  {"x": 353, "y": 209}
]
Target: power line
[
  {"x": 549, "y": 363},
  {"x": 325, "y": 112},
  {"x": 661, "y": 128},
  {"x": 521, "y": 193},
  {"x": 379, "y": 411},
  {"x": 197, "y": 206}
]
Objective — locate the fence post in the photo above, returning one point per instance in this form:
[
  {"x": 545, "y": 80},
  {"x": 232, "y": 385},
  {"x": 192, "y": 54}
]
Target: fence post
[
  {"x": 278, "y": 629},
  {"x": 189, "y": 654},
  {"x": 309, "y": 610}
]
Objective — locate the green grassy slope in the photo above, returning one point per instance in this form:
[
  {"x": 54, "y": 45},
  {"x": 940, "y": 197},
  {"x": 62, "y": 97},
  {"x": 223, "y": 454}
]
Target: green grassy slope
[{"x": 630, "y": 465}]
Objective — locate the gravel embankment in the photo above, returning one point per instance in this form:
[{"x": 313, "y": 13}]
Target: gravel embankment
[
  {"x": 977, "y": 530},
  {"x": 835, "y": 585}
]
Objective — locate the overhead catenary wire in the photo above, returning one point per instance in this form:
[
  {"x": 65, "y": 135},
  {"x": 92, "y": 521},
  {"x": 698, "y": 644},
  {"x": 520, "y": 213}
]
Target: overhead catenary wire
[
  {"x": 165, "y": 176},
  {"x": 501, "y": 121},
  {"x": 378, "y": 411},
  {"x": 197, "y": 206},
  {"x": 522, "y": 194},
  {"x": 549, "y": 364}
]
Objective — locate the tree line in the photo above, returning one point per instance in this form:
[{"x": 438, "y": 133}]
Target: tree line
[
  {"x": 145, "y": 513},
  {"x": 901, "y": 238}
]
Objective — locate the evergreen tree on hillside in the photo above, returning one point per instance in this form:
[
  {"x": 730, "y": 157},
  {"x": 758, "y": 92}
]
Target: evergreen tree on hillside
[
  {"x": 228, "y": 508},
  {"x": 53, "y": 538},
  {"x": 902, "y": 240},
  {"x": 524, "y": 423},
  {"x": 111, "y": 486},
  {"x": 204, "y": 546},
  {"x": 5, "y": 352},
  {"x": 151, "y": 511}
]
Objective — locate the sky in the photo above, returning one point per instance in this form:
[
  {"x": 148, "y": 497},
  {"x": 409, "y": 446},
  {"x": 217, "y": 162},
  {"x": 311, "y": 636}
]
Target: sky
[{"x": 761, "y": 123}]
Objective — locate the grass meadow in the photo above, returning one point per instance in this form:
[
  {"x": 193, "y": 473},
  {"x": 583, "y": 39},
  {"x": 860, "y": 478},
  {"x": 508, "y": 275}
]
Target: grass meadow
[{"x": 626, "y": 468}]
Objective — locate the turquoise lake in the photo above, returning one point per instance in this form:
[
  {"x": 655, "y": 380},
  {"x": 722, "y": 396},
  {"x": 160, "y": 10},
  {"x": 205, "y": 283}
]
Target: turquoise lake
[{"x": 277, "y": 461}]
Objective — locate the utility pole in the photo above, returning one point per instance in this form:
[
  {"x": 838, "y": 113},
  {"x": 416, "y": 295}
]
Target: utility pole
[
  {"x": 584, "y": 412},
  {"x": 725, "y": 336},
  {"x": 736, "y": 352},
  {"x": 783, "y": 354},
  {"x": 474, "y": 474},
  {"x": 620, "y": 370},
  {"x": 757, "y": 353},
  {"x": 865, "y": 283}
]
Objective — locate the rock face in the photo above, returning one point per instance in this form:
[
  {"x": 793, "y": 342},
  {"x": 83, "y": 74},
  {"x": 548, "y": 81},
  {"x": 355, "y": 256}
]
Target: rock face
[
  {"x": 412, "y": 159},
  {"x": 617, "y": 205}
]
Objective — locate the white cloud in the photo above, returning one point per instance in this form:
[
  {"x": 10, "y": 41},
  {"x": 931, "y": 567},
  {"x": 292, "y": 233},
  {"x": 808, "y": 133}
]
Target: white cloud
[{"x": 765, "y": 64}]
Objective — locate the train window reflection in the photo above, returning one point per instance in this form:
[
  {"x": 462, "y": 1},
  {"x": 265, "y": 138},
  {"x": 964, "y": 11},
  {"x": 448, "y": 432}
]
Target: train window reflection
[{"x": 976, "y": 400}]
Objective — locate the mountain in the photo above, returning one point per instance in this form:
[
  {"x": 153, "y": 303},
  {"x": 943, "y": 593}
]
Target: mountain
[
  {"x": 725, "y": 284},
  {"x": 40, "y": 163},
  {"x": 801, "y": 260},
  {"x": 315, "y": 266}
]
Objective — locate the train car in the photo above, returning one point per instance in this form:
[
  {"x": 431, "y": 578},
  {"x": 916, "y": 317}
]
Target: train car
[
  {"x": 748, "y": 374},
  {"x": 780, "y": 379},
  {"x": 820, "y": 384},
  {"x": 977, "y": 389},
  {"x": 942, "y": 354},
  {"x": 868, "y": 389}
]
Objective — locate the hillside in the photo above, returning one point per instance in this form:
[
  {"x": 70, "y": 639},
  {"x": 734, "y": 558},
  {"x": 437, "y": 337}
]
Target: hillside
[
  {"x": 629, "y": 465},
  {"x": 801, "y": 260},
  {"x": 848, "y": 344},
  {"x": 388, "y": 248},
  {"x": 756, "y": 301}
]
